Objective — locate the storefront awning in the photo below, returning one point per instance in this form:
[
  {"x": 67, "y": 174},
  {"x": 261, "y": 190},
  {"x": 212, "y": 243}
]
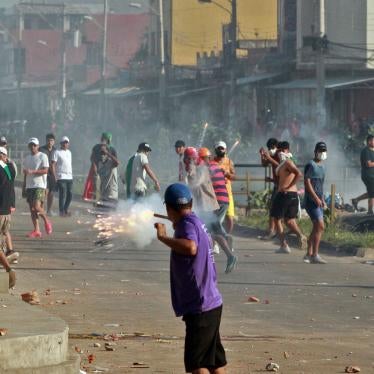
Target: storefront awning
[{"x": 330, "y": 83}]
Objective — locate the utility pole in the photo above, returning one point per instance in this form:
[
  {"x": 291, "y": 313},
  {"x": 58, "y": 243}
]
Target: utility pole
[
  {"x": 320, "y": 68},
  {"x": 162, "y": 82},
  {"x": 233, "y": 60},
  {"x": 63, "y": 64},
  {"x": 103, "y": 106},
  {"x": 19, "y": 66}
]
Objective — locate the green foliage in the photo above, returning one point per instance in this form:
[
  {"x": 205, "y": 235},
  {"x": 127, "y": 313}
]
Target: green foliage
[
  {"x": 334, "y": 234},
  {"x": 259, "y": 199}
]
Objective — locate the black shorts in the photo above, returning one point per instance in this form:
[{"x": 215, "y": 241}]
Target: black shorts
[
  {"x": 51, "y": 183},
  {"x": 285, "y": 205},
  {"x": 203, "y": 347},
  {"x": 272, "y": 197},
  {"x": 369, "y": 183}
]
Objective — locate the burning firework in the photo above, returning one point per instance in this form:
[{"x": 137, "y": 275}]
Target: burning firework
[
  {"x": 134, "y": 220},
  {"x": 202, "y": 136},
  {"x": 233, "y": 147}
]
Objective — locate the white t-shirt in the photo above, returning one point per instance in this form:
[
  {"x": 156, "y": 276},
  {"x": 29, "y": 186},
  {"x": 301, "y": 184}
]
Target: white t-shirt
[
  {"x": 62, "y": 158},
  {"x": 138, "y": 173},
  {"x": 36, "y": 162}
]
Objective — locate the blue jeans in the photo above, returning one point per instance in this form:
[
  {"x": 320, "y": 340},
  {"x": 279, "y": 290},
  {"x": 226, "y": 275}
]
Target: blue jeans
[{"x": 65, "y": 187}]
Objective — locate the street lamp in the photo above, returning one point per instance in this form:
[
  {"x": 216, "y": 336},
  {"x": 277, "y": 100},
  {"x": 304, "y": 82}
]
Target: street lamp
[{"x": 160, "y": 14}]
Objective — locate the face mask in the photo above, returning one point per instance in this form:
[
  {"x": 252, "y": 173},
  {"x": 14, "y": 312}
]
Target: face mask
[
  {"x": 322, "y": 156},
  {"x": 220, "y": 153},
  {"x": 284, "y": 156},
  {"x": 273, "y": 151}
]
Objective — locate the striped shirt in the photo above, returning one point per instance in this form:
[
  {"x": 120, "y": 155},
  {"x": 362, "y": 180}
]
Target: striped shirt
[{"x": 219, "y": 183}]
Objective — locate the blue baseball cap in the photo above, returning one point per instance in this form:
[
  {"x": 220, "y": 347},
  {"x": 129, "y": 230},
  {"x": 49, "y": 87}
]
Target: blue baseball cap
[{"x": 177, "y": 194}]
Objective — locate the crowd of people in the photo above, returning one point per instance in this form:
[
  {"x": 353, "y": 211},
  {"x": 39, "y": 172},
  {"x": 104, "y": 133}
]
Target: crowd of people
[{"x": 200, "y": 205}]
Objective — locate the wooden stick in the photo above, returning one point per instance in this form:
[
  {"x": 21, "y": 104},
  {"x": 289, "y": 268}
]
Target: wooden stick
[{"x": 161, "y": 216}]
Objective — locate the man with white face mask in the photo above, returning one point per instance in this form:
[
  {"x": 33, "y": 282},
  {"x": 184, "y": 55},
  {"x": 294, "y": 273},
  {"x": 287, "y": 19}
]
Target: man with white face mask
[
  {"x": 314, "y": 176},
  {"x": 286, "y": 203}
]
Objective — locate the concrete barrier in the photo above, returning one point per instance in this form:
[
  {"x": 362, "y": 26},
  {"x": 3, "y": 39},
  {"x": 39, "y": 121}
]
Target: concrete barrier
[{"x": 35, "y": 341}]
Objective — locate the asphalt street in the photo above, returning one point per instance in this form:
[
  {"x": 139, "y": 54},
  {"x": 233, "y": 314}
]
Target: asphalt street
[{"x": 309, "y": 318}]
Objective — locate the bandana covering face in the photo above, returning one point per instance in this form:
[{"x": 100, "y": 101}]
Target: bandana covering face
[{"x": 285, "y": 156}]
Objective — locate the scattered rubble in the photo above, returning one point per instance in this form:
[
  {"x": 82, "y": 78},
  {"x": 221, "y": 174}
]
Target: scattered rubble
[
  {"x": 352, "y": 369},
  {"x": 3, "y": 331},
  {"x": 31, "y": 297},
  {"x": 272, "y": 366},
  {"x": 253, "y": 299}
]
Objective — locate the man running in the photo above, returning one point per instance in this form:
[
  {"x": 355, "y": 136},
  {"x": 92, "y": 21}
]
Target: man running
[
  {"x": 205, "y": 200},
  {"x": 228, "y": 168},
  {"x": 286, "y": 203},
  {"x": 35, "y": 170},
  {"x": 367, "y": 175},
  {"x": 49, "y": 149},
  {"x": 63, "y": 173},
  {"x": 136, "y": 172},
  {"x": 314, "y": 177}
]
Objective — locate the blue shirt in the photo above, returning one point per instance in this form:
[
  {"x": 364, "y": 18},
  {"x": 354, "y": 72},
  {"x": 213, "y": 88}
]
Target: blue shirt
[
  {"x": 316, "y": 173},
  {"x": 193, "y": 279}
]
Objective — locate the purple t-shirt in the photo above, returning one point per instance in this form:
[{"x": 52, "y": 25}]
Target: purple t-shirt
[{"x": 193, "y": 279}]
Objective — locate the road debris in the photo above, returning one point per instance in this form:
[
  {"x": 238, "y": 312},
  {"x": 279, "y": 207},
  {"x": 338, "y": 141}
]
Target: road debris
[
  {"x": 31, "y": 297},
  {"x": 110, "y": 347},
  {"x": 139, "y": 365},
  {"x": 352, "y": 369},
  {"x": 3, "y": 331},
  {"x": 91, "y": 358},
  {"x": 97, "y": 345},
  {"x": 78, "y": 350},
  {"x": 356, "y": 317},
  {"x": 253, "y": 299},
  {"x": 286, "y": 355},
  {"x": 272, "y": 366}
]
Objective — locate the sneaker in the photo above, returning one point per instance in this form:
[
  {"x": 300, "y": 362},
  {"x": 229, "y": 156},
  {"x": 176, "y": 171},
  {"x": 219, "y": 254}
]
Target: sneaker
[
  {"x": 216, "y": 248},
  {"x": 12, "y": 257},
  {"x": 269, "y": 236},
  {"x": 302, "y": 242},
  {"x": 48, "y": 227},
  {"x": 306, "y": 259},
  {"x": 355, "y": 204},
  {"x": 285, "y": 250},
  {"x": 12, "y": 278},
  {"x": 317, "y": 260},
  {"x": 34, "y": 234},
  {"x": 231, "y": 263}
]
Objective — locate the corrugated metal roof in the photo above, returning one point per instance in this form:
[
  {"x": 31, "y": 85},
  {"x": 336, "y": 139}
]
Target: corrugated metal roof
[{"x": 331, "y": 83}]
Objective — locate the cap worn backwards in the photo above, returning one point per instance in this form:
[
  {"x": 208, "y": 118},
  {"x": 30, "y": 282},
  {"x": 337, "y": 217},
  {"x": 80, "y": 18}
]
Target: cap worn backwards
[
  {"x": 320, "y": 147},
  {"x": 177, "y": 194}
]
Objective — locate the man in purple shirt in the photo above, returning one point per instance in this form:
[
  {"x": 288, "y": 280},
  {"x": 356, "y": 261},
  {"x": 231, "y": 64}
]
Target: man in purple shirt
[{"x": 193, "y": 281}]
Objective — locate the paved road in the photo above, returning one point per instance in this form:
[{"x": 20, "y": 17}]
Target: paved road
[{"x": 311, "y": 318}]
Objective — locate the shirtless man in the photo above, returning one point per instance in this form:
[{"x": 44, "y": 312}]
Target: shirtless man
[{"x": 286, "y": 202}]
